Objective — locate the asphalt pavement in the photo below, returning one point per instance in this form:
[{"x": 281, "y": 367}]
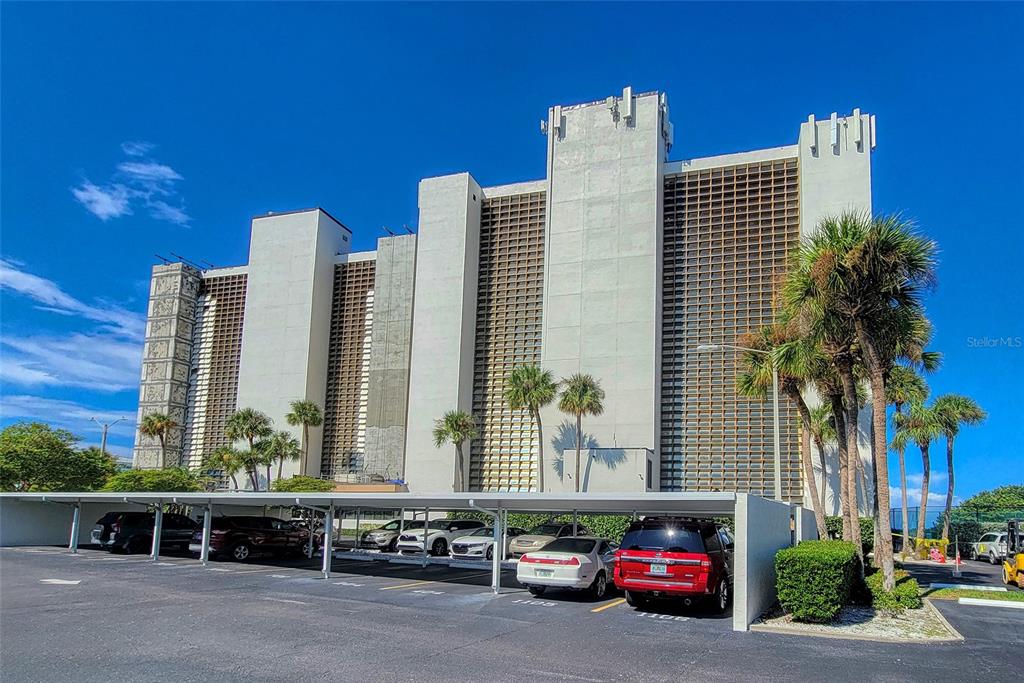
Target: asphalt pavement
[{"x": 100, "y": 617}]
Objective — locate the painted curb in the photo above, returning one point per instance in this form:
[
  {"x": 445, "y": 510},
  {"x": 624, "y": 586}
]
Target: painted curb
[
  {"x": 970, "y": 586},
  {"x": 982, "y": 602}
]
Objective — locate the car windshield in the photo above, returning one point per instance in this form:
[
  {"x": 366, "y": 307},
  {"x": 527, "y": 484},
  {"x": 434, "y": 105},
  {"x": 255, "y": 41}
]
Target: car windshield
[
  {"x": 669, "y": 539},
  {"x": 412, "y": 525},
  {"x": 546, "y": 529},
  {"x": 570, "y": 545},
  {"x": 443, "y": 524},
  {"x": 390, "y": 526},
  {"x": 483, "y": 531}
]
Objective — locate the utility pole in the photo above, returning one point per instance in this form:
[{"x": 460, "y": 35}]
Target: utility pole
[{"x": 106, "y": 426}]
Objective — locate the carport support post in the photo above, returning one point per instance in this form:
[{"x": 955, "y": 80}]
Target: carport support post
[
  {"x": 204, "y": 551},
  {"x": 158, "y": 523},
  {"x": 574, "y": 524},
  {"x": 76, "y": 521},
  {"x": 499, "y": 541},
  {"x": 328, "y": 542},
  {"x": 426, "y": 532},
  {"x": 359, "y": 517}
]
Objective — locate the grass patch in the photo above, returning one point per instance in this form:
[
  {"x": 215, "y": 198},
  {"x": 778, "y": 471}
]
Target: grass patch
[{"x": 957, "y": 593}]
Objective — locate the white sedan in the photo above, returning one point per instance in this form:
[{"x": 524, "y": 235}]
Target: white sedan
[
  {"x": 479, "y": 545},
  {"x": 576, "y": 562}
]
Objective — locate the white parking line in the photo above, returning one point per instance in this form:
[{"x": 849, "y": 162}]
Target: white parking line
[{"x": 290, "y": 602}]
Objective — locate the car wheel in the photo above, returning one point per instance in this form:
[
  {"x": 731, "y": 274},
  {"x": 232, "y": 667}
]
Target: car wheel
[
  {"x": 721, "y": 596},
  {"x": 635, "y": 599},
  {"x": 992, "y": 558},
  {"x": 536, "y": 591},
  {"x": 490, "y": 553},
  {"x": 137, "y": 545},
  {"x": 973, "y": 554},
  {"x": 240, "y": 552},
  {"x": 600, "y": 585},
  {"x": 439, "y": 548},
  {"x": 1006, "y": 576},
  {"x": 393, "y": 546}
]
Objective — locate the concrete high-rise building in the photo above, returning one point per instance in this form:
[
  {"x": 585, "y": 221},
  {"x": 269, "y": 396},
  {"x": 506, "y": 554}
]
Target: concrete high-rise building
[{"x": 619, "y": 263}]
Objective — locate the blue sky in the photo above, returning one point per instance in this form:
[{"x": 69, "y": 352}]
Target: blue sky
[{"x": 136, "y": 129}]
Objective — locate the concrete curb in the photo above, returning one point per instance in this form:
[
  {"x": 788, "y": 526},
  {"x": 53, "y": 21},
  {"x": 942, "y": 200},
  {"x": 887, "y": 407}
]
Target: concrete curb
[
  {"x": 969, "y": 586},
  {"x": 954, "y": 636},
  {"x": 983, "y": 602}
]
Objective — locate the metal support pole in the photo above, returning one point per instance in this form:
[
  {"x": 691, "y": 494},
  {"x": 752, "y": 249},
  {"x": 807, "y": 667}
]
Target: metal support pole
[
  {"x": 158, "y": 524},
  {"x": 775, "y": 431},
  {"x": 426, "y": 532},
  {"x": 401, "y": 522},
  {"x": 499, "y": 537},
  {"x": 359, "y": 518},
  {"x": 76, "y": 521},
  {"x": 312, "y": 529},
  {"x": 504, "y": 534},
  {"x": 574, "y": 524},
  {"x": 325, "y": 569},
  {"x": 204, "y": 551}
]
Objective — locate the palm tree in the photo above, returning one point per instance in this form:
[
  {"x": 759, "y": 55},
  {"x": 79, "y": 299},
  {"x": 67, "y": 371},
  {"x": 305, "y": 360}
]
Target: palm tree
[
  {"x": 227, "y": 460},
  {"x": 823, "y": 431},
  {"x": 920, "y": 426},
  {"x": 953, "y": 411},
  {"x": 904, "y": 386},
  {"x": 870, "y": 273},
  {"x": 530, "y": 388},
  {"x": 792, "y": 356},
  {"x": 280, "y": 446},
  {"x": 581, "y": 395},
  {"x": 158, "y": 426},
  {"x": 307, "y": 414},
  {"x": 250, "y": 425},
  {"x": 455, "y": 427}
]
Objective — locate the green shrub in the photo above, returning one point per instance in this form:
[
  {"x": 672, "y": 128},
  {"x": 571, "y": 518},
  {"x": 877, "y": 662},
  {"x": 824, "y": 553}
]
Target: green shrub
[
  {"x": 170, "y": 480},
  {"x": 905, "y": 594},
  {"x": 816, "y": 578},
  {"x": 303, "y": 484},
  {"x": 834, "y": 526}
]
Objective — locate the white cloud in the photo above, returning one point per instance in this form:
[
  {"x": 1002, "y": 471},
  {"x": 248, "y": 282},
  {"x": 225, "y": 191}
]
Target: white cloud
[
  {"x": 914, "y": 497},
  {"x": 138, "y": 148},
  {"x": 52, "y": 298},
  {"x": 96, "y": 361},
  {"x": 137, "y": 181},
  {"x": 103, "y": 202},
  {"x": 69, "y": 415}
]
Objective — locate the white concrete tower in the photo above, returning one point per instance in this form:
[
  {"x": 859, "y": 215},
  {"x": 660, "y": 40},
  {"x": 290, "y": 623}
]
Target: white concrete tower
[
  {"x": 286, "y": 329},
  {"x": 602, "y": 283}
]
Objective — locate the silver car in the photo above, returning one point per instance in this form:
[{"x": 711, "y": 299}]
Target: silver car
[
  {"x": 991, "y": 547},
  {"x": 385, "y": 537}
]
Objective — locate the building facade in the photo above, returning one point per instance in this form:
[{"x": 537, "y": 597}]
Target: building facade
[{"x": 619, "y": 263}]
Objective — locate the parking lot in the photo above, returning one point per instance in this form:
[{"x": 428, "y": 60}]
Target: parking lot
[{"x": 101, "y": 617}]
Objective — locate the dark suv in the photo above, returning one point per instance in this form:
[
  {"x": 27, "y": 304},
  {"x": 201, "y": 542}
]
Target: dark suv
[
  {"x": 132, "y": 532},
  {"x": 240, "y": 537},
  {"x": 675, "y": 557}
]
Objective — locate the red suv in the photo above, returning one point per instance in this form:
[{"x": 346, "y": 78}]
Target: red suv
[{"x": 675, "y": 558}]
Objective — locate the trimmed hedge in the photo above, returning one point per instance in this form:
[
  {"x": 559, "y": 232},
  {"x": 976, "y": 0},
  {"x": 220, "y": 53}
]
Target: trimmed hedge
[
  {"x": 834, "y": 526},
  {"x": 816, "y": 578},
  {"x": 905, "y": 594}
]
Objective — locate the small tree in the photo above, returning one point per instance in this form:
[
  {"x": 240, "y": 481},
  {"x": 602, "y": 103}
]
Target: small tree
[
  {"x": 249, "y": 425},
  {"x": 169, "y": 480},
  {"x": 581, "y": 395},
  {"x": 952, "y": 412},
  {"x": 225, "y": 459},
  {"x": 303, "y": 484},
  {"x": 36, "y": 457},
  {"x": 158, "y": 426},
  {"x": 281, "y": 446},
  {"x": 823, "y": 431},
  {"x": 920, "y": 426},
  {"x": 307, "y": 414},
  {"x": 904, "y": 386},
  {"x": 455, "y": 427},
  {"x": 529, "y": 388}
]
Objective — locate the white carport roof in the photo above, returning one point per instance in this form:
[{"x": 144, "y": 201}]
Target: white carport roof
[{"x": 697, "y": 504}]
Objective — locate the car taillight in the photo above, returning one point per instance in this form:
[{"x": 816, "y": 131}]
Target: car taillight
[
  {"x": 571, "y": 562},
  {"x": 116, "y": 526},
  {"x": 705, "y": 564}
]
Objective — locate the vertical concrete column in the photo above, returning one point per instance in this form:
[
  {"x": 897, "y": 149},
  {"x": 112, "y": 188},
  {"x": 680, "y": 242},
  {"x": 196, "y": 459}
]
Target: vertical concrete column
[
  {"x": 286, "y": 328},
  {"x": 602, "y": 280},
  {"x": 166, "y": 356},
  {"x": 444, "y": 324}
]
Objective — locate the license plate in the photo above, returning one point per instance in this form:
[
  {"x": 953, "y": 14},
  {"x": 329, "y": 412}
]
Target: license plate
[
  {"x": 544, "y": 572},
  {"x": 659, "y": 569}
]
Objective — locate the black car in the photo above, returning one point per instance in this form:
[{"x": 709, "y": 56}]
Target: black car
[
  {"x": 132, "y": 532},
  {"x": 239, "y": 537}
]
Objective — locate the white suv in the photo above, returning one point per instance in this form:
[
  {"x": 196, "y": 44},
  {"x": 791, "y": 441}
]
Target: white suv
[
  {"x": 441, "y": 534},
  {"x": 991, "y": 547}
]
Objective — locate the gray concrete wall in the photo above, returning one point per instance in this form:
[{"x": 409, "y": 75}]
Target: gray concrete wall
[
  {"x": 607, "y": 470},
  {"x": 602, "y": 288},
  {"x": 390, "y": 353},
  {"x": 25, "y": 523},
  {"x": 762, "y": 528},
  {"x": 444, "y": 324},
  {"x": 806, "y": 527},
  {"x": 166, "y": 357},
  {"x": 286, "y": 329}
]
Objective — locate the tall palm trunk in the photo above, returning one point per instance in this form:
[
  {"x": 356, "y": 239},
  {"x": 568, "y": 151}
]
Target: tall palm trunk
[
  {"x": 844, "y": 464},
  {"x": 820, "y": 445},
  {"x": 280, "y": 466},
  {"x": 540, "y": 451},
  {"x": 268, "y": 475},
  {"x": 949, "y": 488},
  {"x": 805, "y": 458},
  {"x": 852, "y": 453},
  {"x": 903, "y": 489},
  {"x": 234, "y": 482},
  {"x": 579, "y": 439},
  {"x": 459, "y": 470},
  {"x": 163, "y": 452},
  {"x": 305, "y": 448},
  {"x": 926, "y": 474}
]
